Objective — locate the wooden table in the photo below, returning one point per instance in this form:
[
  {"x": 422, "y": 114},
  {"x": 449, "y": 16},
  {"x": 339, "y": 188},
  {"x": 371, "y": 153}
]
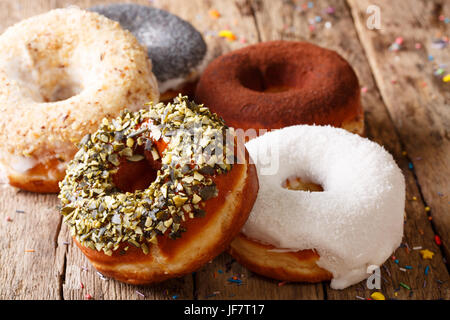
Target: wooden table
[{"x": 406, "y": 106}]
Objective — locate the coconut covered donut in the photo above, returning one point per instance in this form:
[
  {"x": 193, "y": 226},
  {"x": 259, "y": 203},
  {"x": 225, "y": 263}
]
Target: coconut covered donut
[
  {"x": 275, "y": 84},
  {"x": 347, "y": 215},
  {"x": 176, "y": 48},
  {"x": 155, "y": 194},
  {"x": 61, "y": 73}
]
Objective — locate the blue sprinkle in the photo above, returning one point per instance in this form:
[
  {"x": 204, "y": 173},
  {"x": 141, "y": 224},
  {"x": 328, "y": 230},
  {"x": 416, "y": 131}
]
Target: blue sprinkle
[
  {"x": 310, "y": 4},
  {"x": 410, "y": 166},
  {"x": 174, "y": 297},
  {"x": 447, "y": 20},
  {"x": 427, "y": 269},
  {"x": 408, "y": 267},
  {"x": 238, "y": 281},
  {"x": 430, "y": 58},
  {"x": 220, "y": 271},
  {"x": 318, "y": 18},
  {"x": 396, "y": 261}
]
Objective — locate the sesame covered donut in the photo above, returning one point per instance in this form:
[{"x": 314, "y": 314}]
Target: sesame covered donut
[
  {"x": 61, "y": 73},
  {"x": 275, "y": 84},
  {"x": 177, "y": 50},
  {"x": 155, "y": 194},
  {"x": 330, "y": 206}
]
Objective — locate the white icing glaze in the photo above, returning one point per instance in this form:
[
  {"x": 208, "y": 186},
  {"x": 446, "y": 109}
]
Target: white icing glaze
[{"x": 355, "y": 222}]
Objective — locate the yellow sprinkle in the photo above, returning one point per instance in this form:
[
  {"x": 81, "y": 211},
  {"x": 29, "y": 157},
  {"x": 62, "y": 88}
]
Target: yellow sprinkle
[
  {"x": 396, "y": 294},
  {"x": 214, "y": 14},
  {"x": 427, "y": 209},
  {"x": 227, "y": 34},
  {"x": 377, "y": 296},
  {"x": 404, "y": 153},
  {"x": 427, "y": 254},
  {"x": 446, "y": 78},
  {"x": 414, "y": 198}
]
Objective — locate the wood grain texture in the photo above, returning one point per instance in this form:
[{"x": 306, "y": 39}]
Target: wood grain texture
[
  {"x": 417, "y": 99},
  {"x": 289, "y": 21},
  {"x": 405, "y": 116}
]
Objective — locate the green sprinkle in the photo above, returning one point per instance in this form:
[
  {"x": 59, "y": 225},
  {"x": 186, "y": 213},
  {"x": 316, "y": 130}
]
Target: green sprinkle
[{"x": 405, "y": 286}]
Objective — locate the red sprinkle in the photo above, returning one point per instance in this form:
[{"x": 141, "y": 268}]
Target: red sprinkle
[
  {"x": 81, "y": 285},
  {"x": 437, "y": 239},
  {"x": 88, "y": 296}
]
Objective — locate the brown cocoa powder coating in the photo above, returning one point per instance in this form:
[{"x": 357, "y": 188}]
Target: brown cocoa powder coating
[{"x": 276, "y": 84}]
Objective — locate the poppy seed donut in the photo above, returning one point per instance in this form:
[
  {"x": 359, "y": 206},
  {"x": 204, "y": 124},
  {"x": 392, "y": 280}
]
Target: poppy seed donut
[
  {"x": 61, "y": 73},
  {"x": 275, "y": 84},
  {"x": 175, "y": 47}
]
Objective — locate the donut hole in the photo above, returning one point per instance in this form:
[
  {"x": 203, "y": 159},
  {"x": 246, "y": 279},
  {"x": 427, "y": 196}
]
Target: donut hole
[
  {"x": 299, "y": 184},
  {"x": 273, "y": 78},
  {"x": 136, "y": 175},
  {"x": 49, "y": 72},
  {"x": 62, "y": 90}
]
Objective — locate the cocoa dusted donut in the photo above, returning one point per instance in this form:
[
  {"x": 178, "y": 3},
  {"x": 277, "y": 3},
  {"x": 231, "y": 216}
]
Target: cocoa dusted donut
[
  {"x": 276, "y": 84},
  {"x": 155, "y": 194}
]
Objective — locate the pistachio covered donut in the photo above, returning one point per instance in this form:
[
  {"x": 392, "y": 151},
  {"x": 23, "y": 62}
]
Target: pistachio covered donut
[{"x": 155, "y": 194}]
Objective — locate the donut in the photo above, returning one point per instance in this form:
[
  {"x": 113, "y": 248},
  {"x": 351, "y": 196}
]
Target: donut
[
  {"x": 276, "y": 84},
  {"x": 155, "y": 194},
  {"x": 350, "y": 220},
  {"x": 176, "y": 48},
  {"x": 60, "y": 73}
]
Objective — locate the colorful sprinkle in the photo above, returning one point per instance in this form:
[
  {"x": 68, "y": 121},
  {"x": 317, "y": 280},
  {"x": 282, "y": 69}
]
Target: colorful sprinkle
[
  {"x": 408, "y": 267},
  {"x": 437, "y": 239},
  {"x": 377, "y": 296},
  {"x": 446, "y": 78},
  {"x": 175, "y": 297},
  {"x": 427, "y": 269},
  {"x": 235, "y": 280},
  {"x": 8, "y": 219},
  {"x": 427, "y": 254},
  {"x": 405, "y": 286},
  {"x": 427, "y": 209},
  {"x": 396, "y": 261},
  {"x": 214, "y": 14},
  {"x": 417, "y": 248},
  {"x": 88, "y": 296},
  {"x": 140, "y": 294},
  {"x": 410, "y": 166},
  {"x": 228, "y": 34}
]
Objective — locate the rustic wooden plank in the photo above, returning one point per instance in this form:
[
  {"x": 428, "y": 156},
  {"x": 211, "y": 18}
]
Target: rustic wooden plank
[
  {"x": 418, "y": 101},
  {"x": 31, "y": 259},
  {"x": 290, "y": 20}
]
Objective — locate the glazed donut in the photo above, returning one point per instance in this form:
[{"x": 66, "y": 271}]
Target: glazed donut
[
  {"x": 60, "y": 73},
  {"x": 276, "y": 84},
  {"x": 145, "y": 202},
  {"x": 176, "y": 48},
  {"x": 350, "y": 220}
]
